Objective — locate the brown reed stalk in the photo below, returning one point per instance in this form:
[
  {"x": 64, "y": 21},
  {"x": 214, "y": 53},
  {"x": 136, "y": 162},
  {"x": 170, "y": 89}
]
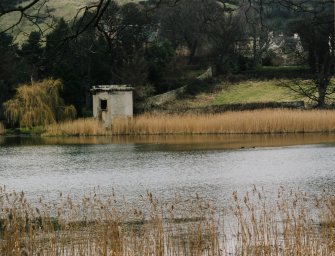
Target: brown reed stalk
[
  {"x": 79, "y": 127},
  {"x": 191, "y": 226},
  {"x": 266, "y": 121},
  {"x": 247, "y": 122}
]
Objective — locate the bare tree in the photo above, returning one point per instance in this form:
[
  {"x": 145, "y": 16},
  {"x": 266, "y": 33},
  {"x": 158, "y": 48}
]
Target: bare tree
[
  {"x": 315, "y": 26},
  {"x": 33, "y": 12},
  {"x": 314, "y": 23},
  {"x": 317, "y": 35},
  {"x": 257, "y": 28},
  {"x": 185, "y": 25}
]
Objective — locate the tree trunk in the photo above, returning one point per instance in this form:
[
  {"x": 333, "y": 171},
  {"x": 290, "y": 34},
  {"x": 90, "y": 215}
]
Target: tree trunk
[
  {"x": 88, "y": 85},
  {"x": 193, "y": 49},
  {"x": 255, "y": 55},
  {"x": 34, "y": 74},
  {"x": 322, "y": 89}
]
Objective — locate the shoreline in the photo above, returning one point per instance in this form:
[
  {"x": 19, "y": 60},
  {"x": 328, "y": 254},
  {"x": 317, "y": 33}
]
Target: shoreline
[
  {"x": 258, "y": 122},
  {"x": 182, "y": 142}
]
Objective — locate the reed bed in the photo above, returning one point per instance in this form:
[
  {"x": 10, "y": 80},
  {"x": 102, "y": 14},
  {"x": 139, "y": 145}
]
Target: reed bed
[
  {"x": 266, "y": 121},
  {"x": 79, "y": 127},
  {"x": 188, "y": 142},
  {"x": 245, "y": 122},
  {"x": 248, "y": 225},
  {"x": 2, "y": 129}
]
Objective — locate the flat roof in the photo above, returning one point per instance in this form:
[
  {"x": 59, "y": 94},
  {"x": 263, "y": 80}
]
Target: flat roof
[{"x": 112, "y": 87}]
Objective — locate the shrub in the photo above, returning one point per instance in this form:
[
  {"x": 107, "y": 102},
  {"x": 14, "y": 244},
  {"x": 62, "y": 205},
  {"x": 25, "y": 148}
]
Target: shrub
[{"x": 38, "y": 104}]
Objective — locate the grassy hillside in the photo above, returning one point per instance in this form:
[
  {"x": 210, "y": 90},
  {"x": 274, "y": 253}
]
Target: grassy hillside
[
  {"x": 250, "y": 91},
  {"x": 66, "y": 9},
  {"x": 255, "y": 91}
]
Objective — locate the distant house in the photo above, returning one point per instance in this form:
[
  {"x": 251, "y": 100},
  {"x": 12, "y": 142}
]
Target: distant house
[{"x": 111, "y": 101}]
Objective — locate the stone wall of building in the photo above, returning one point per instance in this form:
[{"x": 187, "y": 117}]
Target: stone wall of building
[
  {"x": 118, "y": 103},
  {"x": 121, "y": 103}
]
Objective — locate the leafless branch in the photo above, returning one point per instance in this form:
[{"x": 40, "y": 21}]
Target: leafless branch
[
  {"x": 298, "y": 88},
  {"x": 31, "y": 12}
]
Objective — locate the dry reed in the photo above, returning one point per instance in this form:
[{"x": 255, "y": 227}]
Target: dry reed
[
  {"x": 2, "y": 129},
  {"x": 79, "y": 127},
  {"x": 245, "y": 122},
  {"x": 180, "y": 226}
]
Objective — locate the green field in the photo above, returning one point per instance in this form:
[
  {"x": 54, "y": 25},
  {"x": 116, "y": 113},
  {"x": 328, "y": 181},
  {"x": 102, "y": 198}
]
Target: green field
[
  {"x": 255, "y": 91},
  {"x": 249, "y": 91},
  {"x": 69, "y": 8}
]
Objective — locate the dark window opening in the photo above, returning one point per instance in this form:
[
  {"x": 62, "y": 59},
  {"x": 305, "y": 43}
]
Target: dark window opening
[{"x": 103, "y": 104}]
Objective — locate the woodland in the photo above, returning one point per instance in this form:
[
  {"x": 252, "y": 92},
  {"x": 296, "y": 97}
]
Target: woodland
[{"x": 155, "y": 46}]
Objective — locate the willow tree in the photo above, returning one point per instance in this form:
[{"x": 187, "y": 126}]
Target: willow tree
[{"x": 38, "y": 104}]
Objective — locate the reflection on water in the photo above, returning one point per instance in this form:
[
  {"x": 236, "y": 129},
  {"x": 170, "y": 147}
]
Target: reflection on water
[
  {"x": 181, "y": 142},
  {"x": 211, "y": 166}
]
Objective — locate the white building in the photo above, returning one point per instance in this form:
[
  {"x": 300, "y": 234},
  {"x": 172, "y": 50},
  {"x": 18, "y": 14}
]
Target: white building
[{"x": 111, "y": 101}]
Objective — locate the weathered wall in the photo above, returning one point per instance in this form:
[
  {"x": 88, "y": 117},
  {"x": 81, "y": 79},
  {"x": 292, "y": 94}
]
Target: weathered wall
[
  {"x": 233, "y": 107},
  {"x": 96, "y": 102},
  {"x": 249, "y": 106},
  {"x": 163, "y": 98},
  {"x": 206, "y": 75},
  {"x": 119, "y": 104}
]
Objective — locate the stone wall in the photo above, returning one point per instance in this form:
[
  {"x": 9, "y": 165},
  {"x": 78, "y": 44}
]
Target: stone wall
[
  {"x": 206, "y": 75},
  {"x": 254, "y": 106},
  {"x": 163, "y": 98},
  {"x": 119, "y": 104},
  {"x": 240, "y": 107}
]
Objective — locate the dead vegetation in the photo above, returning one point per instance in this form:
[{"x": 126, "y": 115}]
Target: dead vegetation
[
  {"x": 244, "y": 122},
  {"x": 293, "y": 224},
  {"x": 38, "y": 104},
  {"x": 79, "y": 127}
]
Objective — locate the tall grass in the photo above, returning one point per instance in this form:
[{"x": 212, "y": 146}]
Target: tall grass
[
  {"x": 2, "y": 129},
  {"x": 248, "y": 225},
  {"x": 245, "y": 122},
  {"x": 79, "y": 127}
]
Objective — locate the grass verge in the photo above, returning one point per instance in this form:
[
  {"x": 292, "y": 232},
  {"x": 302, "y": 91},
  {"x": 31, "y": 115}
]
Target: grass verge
[
  {"x": 249, "y": 225},
  {"x": 247, "y": 122},
  {"x": 79, "y": 127}
]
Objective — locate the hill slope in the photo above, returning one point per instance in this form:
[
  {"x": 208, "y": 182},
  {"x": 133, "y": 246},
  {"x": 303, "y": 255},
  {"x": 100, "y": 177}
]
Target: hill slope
[
  {"x": 250, "y": 91},
  {"x": 66, "y": 9}
]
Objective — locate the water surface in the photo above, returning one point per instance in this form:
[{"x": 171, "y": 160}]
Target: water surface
[{"x": 211, "y": 166}]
